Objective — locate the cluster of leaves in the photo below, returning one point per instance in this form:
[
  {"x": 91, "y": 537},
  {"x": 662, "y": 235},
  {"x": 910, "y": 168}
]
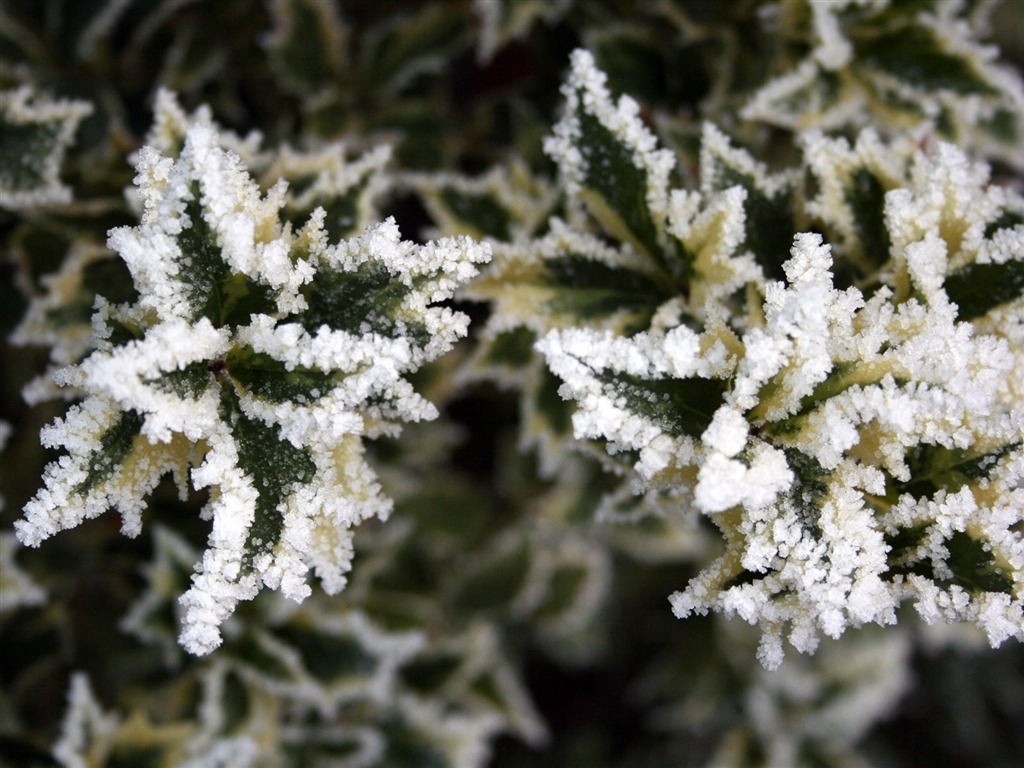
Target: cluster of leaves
[
  {"x": 753, "y": 340},
  {"x": 801, "y": 418}
]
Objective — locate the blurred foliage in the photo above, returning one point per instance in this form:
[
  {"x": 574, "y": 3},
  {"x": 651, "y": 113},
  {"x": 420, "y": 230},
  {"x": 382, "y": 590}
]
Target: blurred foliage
[{"x": 512, "y": 612}]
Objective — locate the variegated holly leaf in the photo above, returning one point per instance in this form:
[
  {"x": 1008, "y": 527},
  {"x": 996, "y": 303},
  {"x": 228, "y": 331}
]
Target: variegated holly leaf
[
  {"x": 323, "y": 659},
  {"x": 802, "y": 713},
  {"x": 17, "y": 588},
  {"x": 35, "y": 132},
  {"x": 307, "y": 46},
  {"x": 851, "y": 184},
  {"x": 470, "y": 672},
  {"x": 502, "y": 21},
  {"x": 327, "y": 176},
  {"x": 88, "y": 732},
  {"x": 505, "y": 204},
  {"x": 767, "y": 202},
  {"x": 154, "y": 618},
  {"x": 678, "y": 253},
  {"x": 60, "y": 318},
  {"x": 259, "y": 353},
  {"x": 610, "y": 162},
  {"x": 92, "y": 736},
  {"x": 566, "y": 278},
  {"x": 785, "y": 419},
  {"x": 898, "y": 64},
  {"x": 422, "y": 732},
  {"x": 404, "y": 47}
]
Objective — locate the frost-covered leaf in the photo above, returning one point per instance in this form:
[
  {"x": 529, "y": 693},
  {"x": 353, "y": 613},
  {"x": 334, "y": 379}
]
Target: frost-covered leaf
[
  {"x": 91, "y": 736},
  {"x": 827, "y": 702},
  {"x": 258, "y": 353},
  {"x": 471, "y": 671},
  {"x": 60, "y": 319},
  {"x": 17, "y": 588},
  {"x": 565, "y": 278},
  {"x": 978, "y": 288},
  {"x": 609, "y": 160},
  {"x": 895, "y": 65},
  {"x": 155, "y": 616},
  {"x": 35, "y": 133},
  {"x": 325, "y": 176},
  {"x": 308, "y": 45},
  {"x": 768, "y": 220},
  {"x": 88, "y": 732},
  {"x": 851, "y": 186},
  {"x": 422, "y": 733},
  {"x": 324, "y": 660},
  {"x": 503, "y": 21},
  {"x": 505, "y": 204},
  {"x": 405, "y": 47}
]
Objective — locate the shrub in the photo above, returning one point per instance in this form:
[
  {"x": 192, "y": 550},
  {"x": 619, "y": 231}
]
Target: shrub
[{"x": 528, "y": 329}]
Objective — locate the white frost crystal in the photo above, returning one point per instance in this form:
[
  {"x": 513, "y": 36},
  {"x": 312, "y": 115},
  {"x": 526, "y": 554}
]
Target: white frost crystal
[{"x": 258, "y": 354}]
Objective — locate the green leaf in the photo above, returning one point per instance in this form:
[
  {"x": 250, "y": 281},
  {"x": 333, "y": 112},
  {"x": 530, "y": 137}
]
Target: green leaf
[
  {"x": 866, "y": 197},
  {"x": 235, "y": 703},
  {"x": 307, "y": 45},
  {"x": 809, "y": 488},
  {"x": 426, "y": 675},
  {"x": 563, "y": 590},
  {"x": 934, "y": 468},
  {"x": 681, "y": 407},
  {"x": 496, "y": 582},
  {"x": 137, "y": 756},
  {"x": 35, "y": 133},
  {"x": 115, "y": 447},
  {"x": 616, "y": 193},
  {"x": 552, "y": 407},
  {"x": 512, "y": 348},
  {"x": 407, "y": 748},
  {"x": 273, "y": 464},
  {"x": 121, "y": 331},
  {"x": 974, "y": 568},
  {"x": 365, "y": 300},
  {"x": 341, "y": 217},
  {"x": 405, "y": 47},
  {"x": 211, "y": 288},
  {"x": 482, "y": 212},
  {"x": 329, "y": 658},
  {"x": 589, "y": 289},
  {"x": 1006, "y": 220},
  {"x": 250, "y": 651},
  {"x": 190, "y": 381},
  {"x": 800, "y": 98},
  {"x": 913, "y": 55},
  {"x": 769, "y": 221},
  {"x": 978, "y": 288},
  {"x": 269, "y": 378}
]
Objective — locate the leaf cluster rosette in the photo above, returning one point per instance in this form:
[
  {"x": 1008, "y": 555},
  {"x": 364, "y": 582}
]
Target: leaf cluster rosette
[
  {"x": 255, "y": 359},
  {"x": 858, "y": 447}
]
